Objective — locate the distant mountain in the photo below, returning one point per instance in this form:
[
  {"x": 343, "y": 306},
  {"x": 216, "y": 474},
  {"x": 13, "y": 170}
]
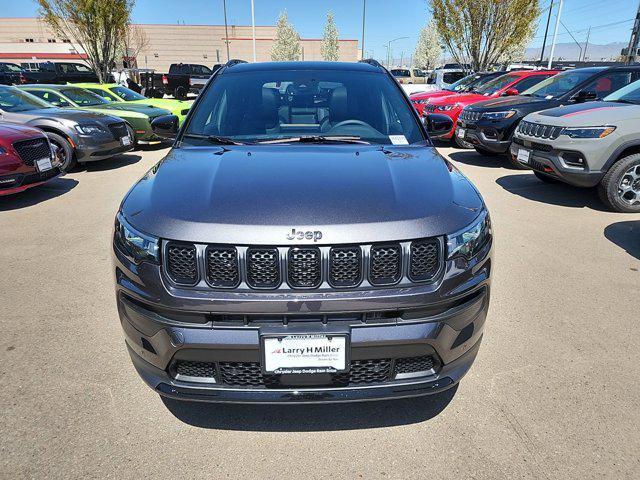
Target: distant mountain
[{"x": 570, "y": 51}]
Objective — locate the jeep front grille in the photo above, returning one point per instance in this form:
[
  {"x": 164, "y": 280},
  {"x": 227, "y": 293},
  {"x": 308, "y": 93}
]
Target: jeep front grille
[
  {"x": 469, "y": 116},
  {"x": 538, "y": 130},
  {"x": 303, "y": 267},
  {"x": 118, "y": 130},
  {"x": 32, "y": 150}
]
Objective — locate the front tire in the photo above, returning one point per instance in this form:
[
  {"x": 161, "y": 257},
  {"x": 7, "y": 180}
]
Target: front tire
[
  {"x": 64, "y": 151},
  {"x": 619, "y": 189}
]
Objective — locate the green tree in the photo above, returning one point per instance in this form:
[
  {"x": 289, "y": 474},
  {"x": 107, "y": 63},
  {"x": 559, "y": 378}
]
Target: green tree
[
  {"x": 329, "y": 48},
  {"x": 98, "y": 26},
  {"x": 483, "y": 31},
  {"x": 428, "y": 49},
  {"x": 287, "y": 44}
]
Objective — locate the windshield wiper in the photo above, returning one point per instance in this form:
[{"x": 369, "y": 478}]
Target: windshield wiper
[
  {"x": 213, "y": 139},
  {"x": 317, "y": 139}
]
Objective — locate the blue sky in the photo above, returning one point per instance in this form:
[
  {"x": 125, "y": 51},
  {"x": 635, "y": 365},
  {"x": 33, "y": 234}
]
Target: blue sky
[{"x": 386, "y": 19}]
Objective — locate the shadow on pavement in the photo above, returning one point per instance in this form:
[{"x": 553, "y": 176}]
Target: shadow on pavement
[
  {"x": 112, "y": 163},
  {"x": 473, "y": 158},
  {"x": 528, "y": 186},
  {"x": 310, "y": 418},
  {"x": 35, "y": 195},
  {"x": 626, "y": 235}
]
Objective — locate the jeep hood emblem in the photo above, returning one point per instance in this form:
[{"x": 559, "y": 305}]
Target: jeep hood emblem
[{"x": 314, "y": 235}]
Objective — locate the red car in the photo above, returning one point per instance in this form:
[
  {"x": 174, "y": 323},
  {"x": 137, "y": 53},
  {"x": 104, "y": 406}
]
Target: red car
[
  {"x": 467, "y": 84},
  {"x": 26, "y": 158},
  {"x": 512, "y": 83}
]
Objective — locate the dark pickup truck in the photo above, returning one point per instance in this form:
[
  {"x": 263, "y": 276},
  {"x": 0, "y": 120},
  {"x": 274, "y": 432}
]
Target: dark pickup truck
[
  {"x": 184, "y": 78},
  {"x": 11, "y": 74},
  {"x": 61, "y": 73}
]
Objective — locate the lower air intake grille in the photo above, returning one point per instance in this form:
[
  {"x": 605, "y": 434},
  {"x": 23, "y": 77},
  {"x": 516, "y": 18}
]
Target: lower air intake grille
[
  {"x": 222, "y": 267},
  {"x": 181, "y": 263},
  {"x": 263, "y": 267},
  {"x": 425, "y": 260},
  {"x": 304, "y": 267},
  {"x": 386, "y": 264},
  {"x": 344, "y": 266},
  {"x": 366, "y": 371},
  {"x": 414, "y": 364},
  {"x": 32, "y": 150},
  {"x": 244, "y": 374},
  {"x": 196, "y": 369}
]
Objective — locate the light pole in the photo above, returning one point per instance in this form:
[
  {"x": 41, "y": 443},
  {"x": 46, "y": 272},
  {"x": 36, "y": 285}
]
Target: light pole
[
  {"x": 226, "y": 30},
  {"x": 253, "y": 28},
  {"x": 555, "y": 34},
  {"x": 389, "y": 47},
  {"x": 364, "y": 11}
]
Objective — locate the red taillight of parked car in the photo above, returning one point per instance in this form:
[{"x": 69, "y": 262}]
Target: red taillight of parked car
[{"x": 164, "y": 80}]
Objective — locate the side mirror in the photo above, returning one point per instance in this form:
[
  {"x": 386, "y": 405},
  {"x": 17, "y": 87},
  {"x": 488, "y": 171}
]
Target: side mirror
[
  {"x": 437, "y": 125},
  {"x": 165, "y": 126},
  {"x": 511, "y": 92},
  {"x": 585, "y": 96}
]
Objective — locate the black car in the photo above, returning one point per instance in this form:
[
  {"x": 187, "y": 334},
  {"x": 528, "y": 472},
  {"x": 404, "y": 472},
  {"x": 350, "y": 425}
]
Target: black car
[
  {"x": 11, "y": 74},
  {"x": 184, "y": 78},
  {"x": 61, "y": 73},
  {"x": 489, "y": 125},
  {"x": 303, "y": 241}
]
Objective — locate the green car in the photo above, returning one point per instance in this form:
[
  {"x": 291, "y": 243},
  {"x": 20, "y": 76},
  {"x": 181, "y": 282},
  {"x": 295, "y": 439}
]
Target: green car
[
  {"x": 138, "y": 117},
  {"x": 113, "y": 92}
]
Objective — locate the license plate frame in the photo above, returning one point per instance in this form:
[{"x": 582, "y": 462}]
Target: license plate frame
[
  {"x": 523, "y": 156},
  {"x": 461, "y": 132},
  {"x": 126, "y": 141},
  {"x": 267, "y": 360},
  {"x": 44, "y": 164}
]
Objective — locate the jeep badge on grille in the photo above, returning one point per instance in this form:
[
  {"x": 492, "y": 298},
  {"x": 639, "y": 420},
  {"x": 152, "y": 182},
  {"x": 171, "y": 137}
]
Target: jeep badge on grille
[{"x": 314, "y": 235}]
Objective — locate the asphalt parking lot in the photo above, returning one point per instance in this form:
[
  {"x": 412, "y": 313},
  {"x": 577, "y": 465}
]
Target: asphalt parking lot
[{"x": 554, "y": 393}]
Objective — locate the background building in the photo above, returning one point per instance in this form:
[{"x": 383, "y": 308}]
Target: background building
[{"x": 29, "y": 41}]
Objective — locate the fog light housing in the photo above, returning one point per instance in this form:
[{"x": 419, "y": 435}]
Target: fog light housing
[{"x": 573, "y": 160}]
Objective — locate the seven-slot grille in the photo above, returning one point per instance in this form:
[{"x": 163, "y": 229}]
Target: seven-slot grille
[
  {"x": 118, "y": 130},
  {"x": 539, "y": 131},
  {"x": 469, "y": 116},
  {"x": 263, "y": 267},
  {"x": 32, "y": 150},
  {"x": 182, "y": 263},
  {"x": 303, "y": 267}
]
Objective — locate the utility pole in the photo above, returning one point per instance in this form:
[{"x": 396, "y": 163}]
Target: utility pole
[
  {"x": 226, "y": 30},
  {"x": 253, "y": 28},
  {"x": 586, "y": 45},
  {"x": 633, "y": 41},
  {"x": 546, "y": 30},
  {"x": 555, "y": 35},
  {"x": 364, "y": 12}
]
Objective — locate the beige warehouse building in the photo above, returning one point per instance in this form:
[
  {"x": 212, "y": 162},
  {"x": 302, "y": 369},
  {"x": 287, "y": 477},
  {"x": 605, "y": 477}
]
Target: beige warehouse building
[{"x": 29, "y": 41}]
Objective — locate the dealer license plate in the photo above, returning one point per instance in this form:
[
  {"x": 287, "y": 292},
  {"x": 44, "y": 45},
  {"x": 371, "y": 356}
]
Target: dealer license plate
[
  {"x": 523, "y": 155},
  {"x": 306, "y": 354},
  {"x": 126, "y": 140},
  {"x": 44, "y": 164},
  {"x": 461, "y": 132}
]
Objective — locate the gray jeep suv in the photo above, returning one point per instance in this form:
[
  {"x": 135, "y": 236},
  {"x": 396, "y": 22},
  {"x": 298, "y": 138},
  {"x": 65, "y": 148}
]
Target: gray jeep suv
[
  {"x": 302, "y": 241},
  {"x": 587, "y": 145}
]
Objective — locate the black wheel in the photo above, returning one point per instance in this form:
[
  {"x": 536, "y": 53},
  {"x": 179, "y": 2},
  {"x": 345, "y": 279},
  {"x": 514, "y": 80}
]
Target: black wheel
[
  {"x": 483, "y": 151},
  {"x": 546, "y": 178},
  {"x": 180, "y": 93},
  {"x": 63, "y": 152},
  {"x": 619, "y": 189}
]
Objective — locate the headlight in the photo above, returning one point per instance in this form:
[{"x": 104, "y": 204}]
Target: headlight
[
  {"x": 444, "y": 108},
  {"x": 468, "y": 241},
  {"x": 135, "y": 245},
  {"x": 2, "y": 151},
  {"x": 499, "y": 115},
  {"x": 88, "y": 129},
  {"x": 588, "y": 132}
]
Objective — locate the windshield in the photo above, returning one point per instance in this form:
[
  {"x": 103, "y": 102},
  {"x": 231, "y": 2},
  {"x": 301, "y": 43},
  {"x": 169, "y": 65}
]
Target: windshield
[
  {"x": 126, "y": 94},
  {"x": 629, "y": 94},
  {"x": 12, "y": 67},
  {"x": 496, "y": 84},
  {"x": 558, "y": 85},
  {"x": 83, "y": 98},
  {"x": 272, "y": 104},
  {"x": 14, "y": 100},
  {"x": 399, "y": 72}
]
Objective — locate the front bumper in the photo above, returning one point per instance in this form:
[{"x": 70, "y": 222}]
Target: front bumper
[
  {"x": 164, "y": 326},
  {"x": 548, "y": 158},
  {"x": 93, "y": 149},
  {"x": 15, "y": 183},
  {"x": 492, "y": 135}
]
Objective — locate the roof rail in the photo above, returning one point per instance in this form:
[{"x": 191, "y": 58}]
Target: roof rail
[
  {"x": 234, "y": 61},
  {"x": 371, "y": 61}
]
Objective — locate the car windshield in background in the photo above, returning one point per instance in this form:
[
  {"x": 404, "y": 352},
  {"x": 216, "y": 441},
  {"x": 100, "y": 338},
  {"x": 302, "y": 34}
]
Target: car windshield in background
[
  {"x": 399, "y": 72},
  {"x": 14, "y": 100},
  {"x": 452, "y": 77},
  {"x": 83, "y": 98},
  {"x": 628, "y": 94},
  {"x": 127, "y": 95},
  {"x": 496, "y": 84},
  {"x": 463, "y": 83},
  {"x": 263, "y": 105},
  {"x": 11, "y": 67},
  {"x": 558, "y": 84}
]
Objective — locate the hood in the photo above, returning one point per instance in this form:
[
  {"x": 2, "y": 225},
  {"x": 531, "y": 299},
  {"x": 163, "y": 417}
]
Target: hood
[
  {"x": 15, "y": 131},
  {"x": 589, "y": 114},
  {"x": 74, "y": 115},
  {"x": 257, "y": 195},
  {"x": 116, "y": 112},
  {"x": 461, "y": 99},
  {"x": 516, "y": 101},
  {"x": 148, "y": 110}
]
